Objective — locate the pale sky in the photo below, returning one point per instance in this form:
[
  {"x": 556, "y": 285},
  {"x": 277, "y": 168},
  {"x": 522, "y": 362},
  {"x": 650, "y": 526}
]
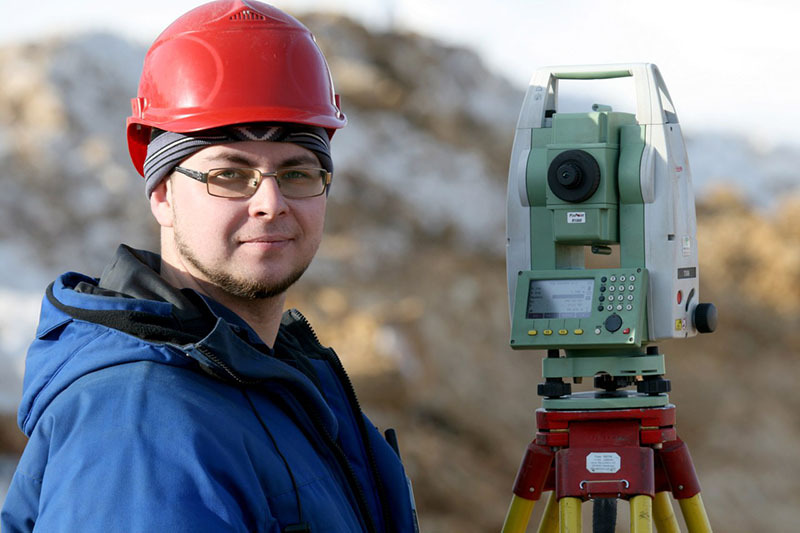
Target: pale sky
[{"x": 729, "y": 65}]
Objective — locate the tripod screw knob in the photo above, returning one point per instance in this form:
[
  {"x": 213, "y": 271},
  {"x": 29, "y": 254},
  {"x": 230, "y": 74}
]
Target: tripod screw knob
[
  {"x": 554, "y": 388},
  {"x": 654, "y": 385},
  {"x": 705, "y": 318}
]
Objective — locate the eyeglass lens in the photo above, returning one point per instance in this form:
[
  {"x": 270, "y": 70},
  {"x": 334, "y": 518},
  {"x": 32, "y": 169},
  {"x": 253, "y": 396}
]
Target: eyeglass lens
[{"x": 241, "y": 182}]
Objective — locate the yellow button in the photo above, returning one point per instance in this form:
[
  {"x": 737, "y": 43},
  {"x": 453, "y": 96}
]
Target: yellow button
[
  {"x": 548, "y": 332},
  {"x": 578, "y": 332},
  {"x": 533, "y": 332},
  {"x": 562, "y": 332}
]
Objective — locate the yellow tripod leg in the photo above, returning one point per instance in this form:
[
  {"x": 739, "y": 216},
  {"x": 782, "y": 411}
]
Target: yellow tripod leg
[
  {"x": 663, "y": 515},
  {"x": 641, "y": 514},
  {"x": 694, "y": 513},
  {"x": 519, "y": 513},
  {"x": 569, "y": 514},
  {"x": 549, "y": 522}
]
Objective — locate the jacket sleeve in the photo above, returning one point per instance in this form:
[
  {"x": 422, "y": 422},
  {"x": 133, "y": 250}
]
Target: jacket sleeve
[
  {"x": 106, "y": 457},
  {"x": 21, "y": 504}
]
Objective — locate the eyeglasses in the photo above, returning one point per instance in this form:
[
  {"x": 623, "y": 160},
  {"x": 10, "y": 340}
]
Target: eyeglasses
[{"x": 243, "y": 182}]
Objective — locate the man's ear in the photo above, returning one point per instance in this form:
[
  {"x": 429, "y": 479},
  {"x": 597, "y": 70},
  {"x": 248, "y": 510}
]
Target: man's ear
[{"x": 161, "y": 203}]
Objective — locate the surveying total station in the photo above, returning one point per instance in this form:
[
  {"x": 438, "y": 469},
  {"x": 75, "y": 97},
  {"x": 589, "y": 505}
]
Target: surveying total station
[{"x": 612, "y": 184}]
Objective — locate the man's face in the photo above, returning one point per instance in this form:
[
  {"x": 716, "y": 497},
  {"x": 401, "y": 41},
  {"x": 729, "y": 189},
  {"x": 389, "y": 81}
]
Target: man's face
[{"x": 252, "y": 247}]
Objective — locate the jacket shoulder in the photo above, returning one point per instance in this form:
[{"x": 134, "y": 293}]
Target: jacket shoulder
[{"x": 147, "y": 444}]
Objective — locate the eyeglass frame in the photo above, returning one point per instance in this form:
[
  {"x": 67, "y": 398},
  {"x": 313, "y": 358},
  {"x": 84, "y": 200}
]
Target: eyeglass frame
[{"x": 202, "y": 177}]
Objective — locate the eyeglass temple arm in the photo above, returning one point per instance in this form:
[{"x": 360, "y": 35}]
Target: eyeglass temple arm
[{"x": 194, "y": 174}]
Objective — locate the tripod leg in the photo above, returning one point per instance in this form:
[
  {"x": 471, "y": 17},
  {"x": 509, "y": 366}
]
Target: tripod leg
[
  {"x": 549, "y": 522},
  {"x": 531, "y": 478},
  {"x": 685, "y": 486},
  {"x": 604, "y": 515},
  {"x": 569, "y": 514},
  {"x": 663, "y": 514},
  {"x": 694, "y": 512},
  {"x": 519, "y": 513},
  {"x": 641, "y": 514}
]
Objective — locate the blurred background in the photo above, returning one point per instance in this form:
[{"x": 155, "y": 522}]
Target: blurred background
[{"x": 409, "y": 285}]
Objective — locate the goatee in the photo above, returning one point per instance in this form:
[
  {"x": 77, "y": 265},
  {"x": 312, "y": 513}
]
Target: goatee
[{"x": 248, "y": 289}]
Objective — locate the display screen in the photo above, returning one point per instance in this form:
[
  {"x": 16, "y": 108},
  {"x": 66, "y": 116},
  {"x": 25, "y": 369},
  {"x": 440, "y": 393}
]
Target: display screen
[{"x": 560, "y": 298}]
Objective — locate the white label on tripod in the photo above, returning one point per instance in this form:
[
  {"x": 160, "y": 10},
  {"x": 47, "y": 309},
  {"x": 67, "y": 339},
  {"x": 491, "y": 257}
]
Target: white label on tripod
[
  {"x": 576, "y": 217},
  {"x": 603, "y": 463}
]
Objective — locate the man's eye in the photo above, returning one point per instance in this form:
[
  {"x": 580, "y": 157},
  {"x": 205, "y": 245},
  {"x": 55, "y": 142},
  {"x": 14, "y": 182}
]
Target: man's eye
[
  {"x": 233, "y": 174},
  {"x": 296, "y": 175}
]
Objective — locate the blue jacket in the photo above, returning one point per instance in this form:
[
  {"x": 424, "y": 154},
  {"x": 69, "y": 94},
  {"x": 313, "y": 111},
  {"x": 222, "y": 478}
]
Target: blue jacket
[{"x": 150, "y": 409}]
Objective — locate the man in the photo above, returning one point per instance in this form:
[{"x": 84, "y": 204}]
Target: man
[{"x": 173, "y": 393}]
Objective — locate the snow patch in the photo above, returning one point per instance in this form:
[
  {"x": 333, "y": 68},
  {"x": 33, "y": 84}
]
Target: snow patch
[
  {"x": 17, "y": 327},
  {"x": 440, "y": 185}
]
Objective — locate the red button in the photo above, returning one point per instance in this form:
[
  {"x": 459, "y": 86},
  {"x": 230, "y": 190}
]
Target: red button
[
  {"x": 626, "y": 331},
  {"x": 680, "y": 297}
]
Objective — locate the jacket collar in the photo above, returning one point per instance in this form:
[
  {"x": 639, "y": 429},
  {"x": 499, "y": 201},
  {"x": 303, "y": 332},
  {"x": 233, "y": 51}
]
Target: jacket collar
[{"x": 210, "y": 333}]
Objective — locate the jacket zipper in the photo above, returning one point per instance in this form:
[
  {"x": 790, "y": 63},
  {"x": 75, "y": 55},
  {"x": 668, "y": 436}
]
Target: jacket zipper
[
  {"x": 350, "y": 392},
  {"x": 224, "y": 366},
  {"x": 341, "y": 458},
  {"x": 344, "y": 464}
]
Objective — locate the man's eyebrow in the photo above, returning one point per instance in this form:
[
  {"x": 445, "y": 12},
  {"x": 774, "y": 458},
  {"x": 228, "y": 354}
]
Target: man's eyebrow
[
  {"x": 296, "y": 161},
  {"x": 233, "y": 158},
  {"x": 236, "y": 158}
]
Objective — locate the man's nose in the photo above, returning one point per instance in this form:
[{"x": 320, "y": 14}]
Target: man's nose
[{"x": 268, "y": 201}]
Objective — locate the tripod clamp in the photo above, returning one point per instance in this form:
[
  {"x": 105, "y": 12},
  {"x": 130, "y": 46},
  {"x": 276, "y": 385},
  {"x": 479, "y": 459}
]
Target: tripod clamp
[{"x": 632, "y": 454}]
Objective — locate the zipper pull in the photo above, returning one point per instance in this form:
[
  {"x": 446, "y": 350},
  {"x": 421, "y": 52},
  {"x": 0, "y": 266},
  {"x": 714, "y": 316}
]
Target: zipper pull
[{"x": 391, "y": 437}]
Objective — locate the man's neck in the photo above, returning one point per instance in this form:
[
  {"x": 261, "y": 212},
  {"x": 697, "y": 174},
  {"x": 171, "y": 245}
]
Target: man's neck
[{"x": 261, "y": 314}]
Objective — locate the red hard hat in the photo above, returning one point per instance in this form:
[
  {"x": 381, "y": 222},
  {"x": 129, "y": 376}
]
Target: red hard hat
[{"x": 231, "y": 62}]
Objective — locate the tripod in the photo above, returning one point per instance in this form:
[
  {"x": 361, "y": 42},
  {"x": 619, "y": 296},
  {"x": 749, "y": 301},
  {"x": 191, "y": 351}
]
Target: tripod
[{"x": 632, "y": 454}]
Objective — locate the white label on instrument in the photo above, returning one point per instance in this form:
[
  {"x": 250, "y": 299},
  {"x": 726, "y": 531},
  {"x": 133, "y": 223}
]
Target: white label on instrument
[
  {"x": 576, "y": 217},
  {"x": 603, "y": 463}
]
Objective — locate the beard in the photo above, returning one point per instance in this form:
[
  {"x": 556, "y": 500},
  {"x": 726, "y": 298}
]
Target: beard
[{"x": 238, "y": 286}]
